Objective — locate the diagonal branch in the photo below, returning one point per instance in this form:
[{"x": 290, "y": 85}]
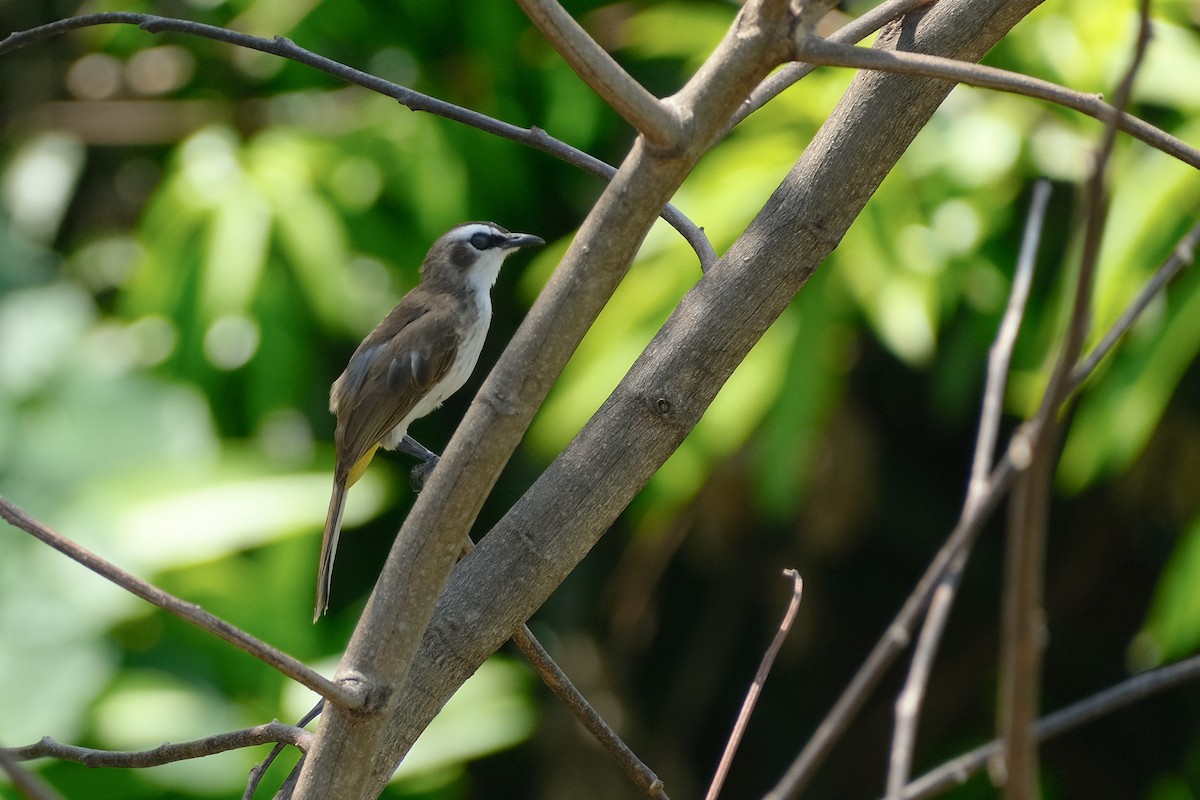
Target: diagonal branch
[
  {"x": 558, "y": 682},
  {"x": 188, "y": 612},
  {"x": 897, "y": 634},
  {"x": 652, "y": 118}
]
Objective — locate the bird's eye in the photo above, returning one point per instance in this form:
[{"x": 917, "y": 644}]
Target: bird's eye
[{"x": 480, "y": 241}]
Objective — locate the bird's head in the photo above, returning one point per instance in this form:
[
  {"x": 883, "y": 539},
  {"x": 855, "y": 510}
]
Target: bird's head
[{"x": 470, "y": 254}]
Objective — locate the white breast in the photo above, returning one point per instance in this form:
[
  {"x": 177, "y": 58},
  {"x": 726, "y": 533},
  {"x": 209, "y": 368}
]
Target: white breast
[{"x": 464, "y": 364}]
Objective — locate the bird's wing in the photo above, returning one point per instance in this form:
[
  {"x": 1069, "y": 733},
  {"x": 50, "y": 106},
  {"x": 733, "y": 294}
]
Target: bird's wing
[{"x": 387, "y": 376}]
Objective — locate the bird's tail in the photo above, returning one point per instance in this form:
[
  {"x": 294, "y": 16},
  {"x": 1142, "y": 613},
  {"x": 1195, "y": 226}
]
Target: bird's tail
[{"x": 329, "y": 543}]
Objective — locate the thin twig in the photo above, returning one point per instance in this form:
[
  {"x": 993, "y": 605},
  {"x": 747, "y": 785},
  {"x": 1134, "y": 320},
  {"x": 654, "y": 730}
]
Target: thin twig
[
  {"x": 260, "y": 770},
  {"x": 564, "y": 689},
  {"x": 558, "y": 682},
  {"x": 760, "y": 678},
  {"x": 27, "y": 783},
  {"x": 652, "y": 118},
  {"x": 1000, "y": 354},
  {"x": 909, "y": 702},
  {"x": 416, "y": 101},
  {"x": 1181, "y": 256},
  {"x": 957, "y": 771},
  {"x": 824, "y": 51},
  {"x": 189, "y": 612},
  {"x": 1024, "y": 582},
  {"x": 167, "y": 753}
]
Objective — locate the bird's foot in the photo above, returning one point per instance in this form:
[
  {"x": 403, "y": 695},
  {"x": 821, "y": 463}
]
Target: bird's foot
[{"x": 420, "y": 474}]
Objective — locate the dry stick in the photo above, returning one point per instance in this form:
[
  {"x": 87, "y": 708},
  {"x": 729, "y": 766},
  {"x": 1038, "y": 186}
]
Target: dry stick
[
  {"x": 760, "y": 678},
  {"x": 654, "y": 119},
  {"x": 167, "y": 753},
  {"x": 908, "y": 703},
  {"x": 896, "y": 636},
  {"x": 285, "y": 48},
  {"x": 28, "y": 784},
  {"x": 558, "y": 682},
  {"x": 189, "y": 612},
  {"x": 956, "y": 772},
  {"x": 1022, "y": 635}
]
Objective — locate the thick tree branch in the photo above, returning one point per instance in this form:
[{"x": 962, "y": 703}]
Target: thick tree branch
[
  {"x": 516, "y": 566},
  {"x": 189, "y": 612},
  {"x": 652, "y": 118}
]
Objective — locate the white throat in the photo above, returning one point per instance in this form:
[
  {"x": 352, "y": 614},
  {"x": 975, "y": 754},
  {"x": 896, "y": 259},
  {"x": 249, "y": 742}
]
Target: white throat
[{"x": 483, "y": 273}]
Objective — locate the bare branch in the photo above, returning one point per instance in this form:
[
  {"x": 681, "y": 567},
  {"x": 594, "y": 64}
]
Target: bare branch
[
  {"x": 908, "y": 703},
  {"x": 956, "y": 772},
  {"x": 652, "y": 118},
  {"x": 1181, "y": 256},
  {"x": 413, "y": 100},
  {"x": 760, "y": 678},
  {"x": 189, "y": 612},
  {"x": 558, "y": 682},
  {"x": 166, "y": 753},
  {"x": 1000, "y": 354},
  {"x": 823, "y": 51}
]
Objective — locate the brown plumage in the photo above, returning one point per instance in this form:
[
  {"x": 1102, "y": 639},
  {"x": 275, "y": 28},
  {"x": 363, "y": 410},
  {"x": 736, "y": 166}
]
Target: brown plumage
[{"x": 421, "y": 353}]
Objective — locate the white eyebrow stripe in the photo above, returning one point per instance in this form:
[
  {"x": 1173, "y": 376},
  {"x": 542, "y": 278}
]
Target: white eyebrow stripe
[{"x": 465, "y": 233}]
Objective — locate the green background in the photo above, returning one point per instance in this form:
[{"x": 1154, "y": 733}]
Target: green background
[{"x": 193, "y": 238}]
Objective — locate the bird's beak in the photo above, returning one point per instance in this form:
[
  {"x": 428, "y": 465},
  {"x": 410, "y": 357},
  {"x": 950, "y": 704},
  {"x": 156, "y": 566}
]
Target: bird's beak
[{"x": 516, "y": 240}]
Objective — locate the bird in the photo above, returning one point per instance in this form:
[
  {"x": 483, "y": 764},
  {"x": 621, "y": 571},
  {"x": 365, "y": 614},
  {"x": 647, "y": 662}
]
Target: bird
[{"x": 421, "y": 353}]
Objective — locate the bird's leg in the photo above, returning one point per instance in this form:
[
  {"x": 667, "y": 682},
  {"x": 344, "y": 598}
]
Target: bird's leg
[{"x": 420, "y": 473}]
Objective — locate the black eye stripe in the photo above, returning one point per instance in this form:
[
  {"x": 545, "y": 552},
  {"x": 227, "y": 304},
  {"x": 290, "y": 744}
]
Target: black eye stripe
[{"x": 485, "y": 241}]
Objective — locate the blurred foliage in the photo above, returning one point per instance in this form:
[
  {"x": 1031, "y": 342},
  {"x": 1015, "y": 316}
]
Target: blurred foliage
[{"x": 193, "y": 239}]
